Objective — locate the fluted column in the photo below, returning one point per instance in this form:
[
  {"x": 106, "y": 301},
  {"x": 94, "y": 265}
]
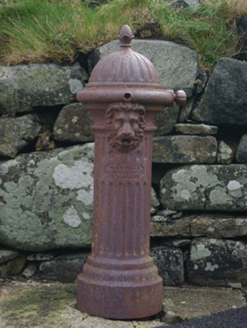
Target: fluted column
[{"x": 119, "y": 279}]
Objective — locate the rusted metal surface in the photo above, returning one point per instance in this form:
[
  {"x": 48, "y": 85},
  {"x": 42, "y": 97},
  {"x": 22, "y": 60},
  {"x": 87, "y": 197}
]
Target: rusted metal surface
[{"x": 119, "y": 280}]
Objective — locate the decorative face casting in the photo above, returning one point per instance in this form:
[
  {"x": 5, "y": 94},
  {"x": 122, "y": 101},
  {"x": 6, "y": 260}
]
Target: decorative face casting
[{"x": 126, "y": 125}]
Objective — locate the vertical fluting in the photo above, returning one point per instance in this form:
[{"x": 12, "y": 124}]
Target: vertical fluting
[
  {"x": 135, "y": 222},
  {"x": 95, "y": 241},
  {"x": 103, "y": 218},
  {"x": 119, "y": 217},
  {"x": 110, "y": 234},
  {"x": 127, "y": 218},
  {"x": 122, "y": 204},
  {"x": 146, "y": 218},
  {"x": 138, "y": 218},
  {"x": 149, "y": 148}
]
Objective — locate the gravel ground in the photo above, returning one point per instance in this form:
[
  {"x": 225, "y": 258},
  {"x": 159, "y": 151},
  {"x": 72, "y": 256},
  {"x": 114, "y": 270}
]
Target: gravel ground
[{"x": 228, "y": 319}]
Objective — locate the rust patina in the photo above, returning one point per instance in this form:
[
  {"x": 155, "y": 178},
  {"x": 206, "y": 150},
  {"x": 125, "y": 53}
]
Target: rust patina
[{"x": 119, "y": 280}]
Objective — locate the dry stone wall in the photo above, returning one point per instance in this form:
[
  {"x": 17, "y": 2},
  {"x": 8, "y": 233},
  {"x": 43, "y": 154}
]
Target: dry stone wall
[{"x": 199, "y": 194}]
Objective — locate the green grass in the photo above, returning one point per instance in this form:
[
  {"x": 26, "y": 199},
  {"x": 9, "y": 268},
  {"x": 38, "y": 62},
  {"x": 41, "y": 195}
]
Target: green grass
[
  {"x": 211, "y": 29},
  {"x": 33, "y": 30},
  {"x": 58, "y": 30}
]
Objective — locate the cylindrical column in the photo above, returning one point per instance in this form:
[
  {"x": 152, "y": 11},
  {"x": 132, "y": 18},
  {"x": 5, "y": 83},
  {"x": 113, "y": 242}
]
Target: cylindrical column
[{"x": 119, "y": 279}]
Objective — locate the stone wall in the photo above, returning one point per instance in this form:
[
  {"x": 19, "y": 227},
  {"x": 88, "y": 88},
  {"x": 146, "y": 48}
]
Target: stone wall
[{"x": 199, "y": 194}]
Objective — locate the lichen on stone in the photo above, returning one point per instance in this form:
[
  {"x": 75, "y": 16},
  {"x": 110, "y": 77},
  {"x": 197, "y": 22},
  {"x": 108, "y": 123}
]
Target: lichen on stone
[
  {"x": 199, "y": 251},
  {"x": 43, "y": 202}
]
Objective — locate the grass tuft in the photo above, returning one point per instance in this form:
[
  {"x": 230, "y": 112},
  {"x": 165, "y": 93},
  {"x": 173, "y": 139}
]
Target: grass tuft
[
  {"x": 211, "y": 29},
  {"x": 58, "y": 30},
  {"x": 237, "y": 7}
]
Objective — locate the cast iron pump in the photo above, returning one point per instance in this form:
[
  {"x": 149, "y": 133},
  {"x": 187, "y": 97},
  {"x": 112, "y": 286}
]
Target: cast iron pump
[{"x": 119, "y": 280}]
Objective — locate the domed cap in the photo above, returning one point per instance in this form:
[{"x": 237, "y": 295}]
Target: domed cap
[
  {"x": 127, "y": 76},
  {"x": 124, "y": 66}
]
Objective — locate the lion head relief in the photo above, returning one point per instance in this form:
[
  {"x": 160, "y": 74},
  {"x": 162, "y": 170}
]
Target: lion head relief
[{"x": 126, "y": 122}]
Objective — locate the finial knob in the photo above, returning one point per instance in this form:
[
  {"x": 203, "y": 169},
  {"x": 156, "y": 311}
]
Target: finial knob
[{"x": 125, "y": 36}]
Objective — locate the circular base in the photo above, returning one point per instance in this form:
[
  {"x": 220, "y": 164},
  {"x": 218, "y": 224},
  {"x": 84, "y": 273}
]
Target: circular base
[{"x": 114, "y": 301}]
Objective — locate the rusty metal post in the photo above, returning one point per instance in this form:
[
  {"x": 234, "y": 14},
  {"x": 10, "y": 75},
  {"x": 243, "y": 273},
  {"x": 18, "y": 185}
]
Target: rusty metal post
[{"x": 119, "y": 280}]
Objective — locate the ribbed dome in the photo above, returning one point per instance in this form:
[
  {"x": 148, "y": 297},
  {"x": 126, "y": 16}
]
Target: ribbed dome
[
  {"x": 124, "y": 65},
  {"x": 127, "y": 76}
]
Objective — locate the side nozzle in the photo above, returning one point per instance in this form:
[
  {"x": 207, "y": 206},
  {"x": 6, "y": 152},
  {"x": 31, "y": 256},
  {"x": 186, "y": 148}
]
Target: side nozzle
[{"x": 180, "y": 98}]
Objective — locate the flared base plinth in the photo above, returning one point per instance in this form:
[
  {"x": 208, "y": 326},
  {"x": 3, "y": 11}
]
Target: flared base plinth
[{"x": 119, "y": 302}]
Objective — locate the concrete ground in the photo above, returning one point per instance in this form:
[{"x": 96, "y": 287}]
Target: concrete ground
[{"x": 52, "y": 305}]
